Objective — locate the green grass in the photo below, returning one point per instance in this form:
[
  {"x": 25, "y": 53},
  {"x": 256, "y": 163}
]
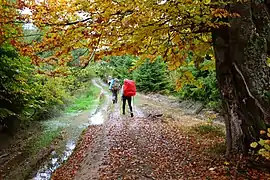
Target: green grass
[
  {"x": 84, "y": 101},
  {"x": 204, "y": 129},
  {"x": 219, "y": 148},
  {"x": 44, "y": 139}
]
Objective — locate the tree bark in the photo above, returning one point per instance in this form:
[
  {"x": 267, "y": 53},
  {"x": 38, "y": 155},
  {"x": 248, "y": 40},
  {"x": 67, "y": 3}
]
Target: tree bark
[{"x": 243, "y": 75}]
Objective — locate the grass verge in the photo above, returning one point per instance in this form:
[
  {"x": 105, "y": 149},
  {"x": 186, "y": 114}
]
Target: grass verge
[
  {"x": 44, "y": 139},
  {"x": 85, "y": 100},
  {"x": 209, "y": 129}
]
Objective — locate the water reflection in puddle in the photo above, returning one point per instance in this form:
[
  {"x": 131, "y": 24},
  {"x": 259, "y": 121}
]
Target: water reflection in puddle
[
  {"x": 56, "y": 160},
  {"x": 74, "y": 127},
  {"x": 97, "y": 119}
]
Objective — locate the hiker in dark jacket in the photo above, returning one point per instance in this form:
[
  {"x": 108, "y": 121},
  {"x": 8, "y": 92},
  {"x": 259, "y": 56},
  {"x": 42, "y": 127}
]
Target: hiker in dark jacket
[{"x": 115, "y": 87}]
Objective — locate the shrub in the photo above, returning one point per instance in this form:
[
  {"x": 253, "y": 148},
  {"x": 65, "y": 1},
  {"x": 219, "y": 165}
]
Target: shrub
[
  {"x": 263, "y": 145},
  {"x": 151, "y": 76},
  {"x": 198, "y": 83},
  {"x": 26, "y": 95}
]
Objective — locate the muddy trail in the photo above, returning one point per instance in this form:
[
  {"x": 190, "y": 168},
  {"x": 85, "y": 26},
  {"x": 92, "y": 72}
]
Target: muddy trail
[
  {"x": 159, "y": 142},
  {"x": 26, "y": 156},
  {"x": 75, "y": 125}
]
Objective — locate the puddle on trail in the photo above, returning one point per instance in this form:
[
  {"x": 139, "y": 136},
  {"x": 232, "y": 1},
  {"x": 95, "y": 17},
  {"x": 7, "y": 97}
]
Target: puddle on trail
[
  {"x": 72, "y": 124},
  {"x": 55, "y": 161},
  {"x": 73, "y": 127},
  {"x": 97, "y": 119}
]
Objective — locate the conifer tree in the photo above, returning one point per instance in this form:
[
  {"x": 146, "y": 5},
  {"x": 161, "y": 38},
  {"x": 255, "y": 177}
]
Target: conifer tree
[{"x": 151, "y": 76}]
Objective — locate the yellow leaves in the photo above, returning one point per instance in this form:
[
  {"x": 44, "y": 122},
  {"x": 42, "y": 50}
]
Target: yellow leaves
[
  {"x": 186, "y": 78},
  {"x": 254, "y": 144},
  {"x": 187, "y": 30},
  {"x": 234, "y": 15},
  {"x": 177, "y": 64},
  {"x": 267, "y": 141},
  {"x": 220, "y": 13},
  {"x": 268, "y": 61},
  {"x": 176, "y": 61},
  {"x": 179, "y": 85},
  {"x": 207, "y": 1},
  {"x": 144, "y": 27},
  {"x": 205, "y": 37},
  {"x": 223, "y": 13},
  {"x": 264, "y": 153},
  {"x": 9, "y": 13},
  {"x": 188, "y": 1},
  {"x": 263, "y": 144},
  {"x": 188, "y": 75},
  {"x": 265, "y": 132}
]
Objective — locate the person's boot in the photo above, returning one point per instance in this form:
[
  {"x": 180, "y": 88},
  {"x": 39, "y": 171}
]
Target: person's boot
[{"x": 131, "y": 114}]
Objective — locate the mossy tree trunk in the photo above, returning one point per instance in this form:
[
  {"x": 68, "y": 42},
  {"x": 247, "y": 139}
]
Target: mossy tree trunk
[{"x": 242, "y": 72}]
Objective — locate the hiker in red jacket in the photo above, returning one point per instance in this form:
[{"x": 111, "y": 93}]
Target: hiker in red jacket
[{"x": 128, "y": 90}]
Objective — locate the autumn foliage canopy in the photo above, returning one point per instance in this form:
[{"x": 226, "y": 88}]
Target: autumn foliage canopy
[{"x": 143, "y": 28}]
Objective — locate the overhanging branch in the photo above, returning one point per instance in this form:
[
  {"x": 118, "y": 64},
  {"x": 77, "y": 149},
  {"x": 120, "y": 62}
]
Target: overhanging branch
[
  {"x": 93, "y": 53},
  {"x": 69, "y": 23}
]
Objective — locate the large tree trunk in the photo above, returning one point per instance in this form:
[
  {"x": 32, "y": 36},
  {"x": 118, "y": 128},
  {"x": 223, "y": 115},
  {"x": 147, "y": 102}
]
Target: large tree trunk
[{"x": 242, "y": 73}]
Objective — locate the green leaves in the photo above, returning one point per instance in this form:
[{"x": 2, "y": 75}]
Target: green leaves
[
  {"x": 31, "y": 96},
  {"x": 198, "y": 81}
]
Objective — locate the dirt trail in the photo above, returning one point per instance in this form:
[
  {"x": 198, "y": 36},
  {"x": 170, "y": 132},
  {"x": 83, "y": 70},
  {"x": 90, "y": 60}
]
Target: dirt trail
[
  {"x": 20, "y": 158},
  {"x": 152, "y": 145}
]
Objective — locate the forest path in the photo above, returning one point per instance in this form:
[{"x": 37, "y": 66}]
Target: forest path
[
  {"x": 36, "y": 151},
  {"x": 157, "y": 143}
]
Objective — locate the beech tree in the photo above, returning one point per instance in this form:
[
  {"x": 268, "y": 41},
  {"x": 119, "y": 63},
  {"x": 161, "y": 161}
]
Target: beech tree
[
  {"x": 243, "y": 75},
  {"x": 237, "y": 32}
]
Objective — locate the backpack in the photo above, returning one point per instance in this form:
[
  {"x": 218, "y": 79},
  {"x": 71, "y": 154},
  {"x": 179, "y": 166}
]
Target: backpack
[
  {"x": 115, "y": 85},
  {"x": 129, "y": 88},
  {"x": 110, "y": 84}
]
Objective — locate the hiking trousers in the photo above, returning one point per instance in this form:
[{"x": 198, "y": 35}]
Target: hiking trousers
[
  {"x": 127, "y": 98},
  {"x": 114, "y": 96}
]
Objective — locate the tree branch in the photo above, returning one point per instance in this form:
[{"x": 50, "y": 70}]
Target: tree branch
[
  {"x": 15, "y": 22},
  {"x": 29, "y": 35},
  {"x": 93, "y": 53},
  {"x": 249, "y": 93},
  {"x": 69, "y": 23}
]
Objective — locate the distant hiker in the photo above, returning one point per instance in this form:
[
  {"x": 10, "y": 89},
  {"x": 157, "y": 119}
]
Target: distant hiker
[
  {"x": 110, "y": 80},
  {"x": 128, "y": 90},
  {"x": 115, "y": 87}
]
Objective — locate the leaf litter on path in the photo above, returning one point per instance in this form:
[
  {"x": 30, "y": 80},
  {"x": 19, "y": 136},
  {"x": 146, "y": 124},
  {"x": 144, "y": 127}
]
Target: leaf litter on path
[{"x": 144, "y": 148}]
